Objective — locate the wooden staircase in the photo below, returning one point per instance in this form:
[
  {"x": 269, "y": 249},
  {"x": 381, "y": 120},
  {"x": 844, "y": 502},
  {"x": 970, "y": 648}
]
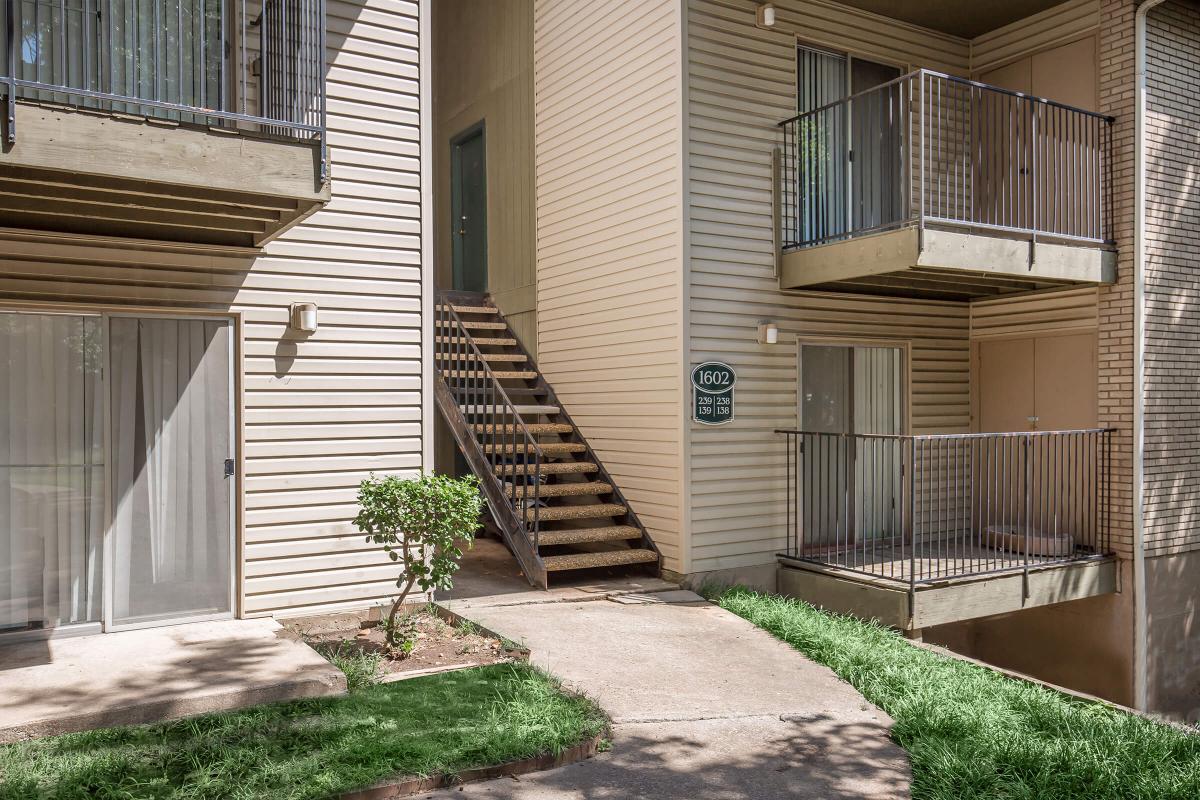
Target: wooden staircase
[{"x": 555, "y": 504}]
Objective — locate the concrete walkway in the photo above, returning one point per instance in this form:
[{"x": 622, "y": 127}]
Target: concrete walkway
[
  {"x": 73, "y": 684},
  {"x": 705, "y": 705}
]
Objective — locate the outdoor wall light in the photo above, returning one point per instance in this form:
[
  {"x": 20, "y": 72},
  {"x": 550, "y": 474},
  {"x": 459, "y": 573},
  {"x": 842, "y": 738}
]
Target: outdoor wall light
[
  {"x": 768, "y": 333},
  {"x": 303, "y": 317},
  {"x": 766, "y": 16}
]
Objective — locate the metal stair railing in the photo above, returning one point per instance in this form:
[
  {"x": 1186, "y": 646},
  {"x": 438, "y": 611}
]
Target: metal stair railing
[{"x": 504, "y": 440}]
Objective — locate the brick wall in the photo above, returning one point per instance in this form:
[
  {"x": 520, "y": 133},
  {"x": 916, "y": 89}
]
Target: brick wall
[
  {"x": 1172, "y": 482},
  {"x": 1115, "y": 346}
]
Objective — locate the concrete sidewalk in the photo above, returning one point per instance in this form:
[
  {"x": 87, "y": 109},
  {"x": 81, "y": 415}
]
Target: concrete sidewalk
[{"x": 705, "y": 705}]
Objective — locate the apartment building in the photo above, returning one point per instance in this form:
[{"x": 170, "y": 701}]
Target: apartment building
[
  {"x": 882, "y": 305},
  {"x": 953, "y": 382}
]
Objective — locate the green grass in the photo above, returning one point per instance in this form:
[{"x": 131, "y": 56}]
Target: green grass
[
  {"x": 361, "y": 669},
  {"x": 313, "y": 748},
  {"x": 973, "y": 733}
]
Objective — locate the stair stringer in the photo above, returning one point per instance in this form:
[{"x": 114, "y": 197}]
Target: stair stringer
[{"x": 502, "y": 511}]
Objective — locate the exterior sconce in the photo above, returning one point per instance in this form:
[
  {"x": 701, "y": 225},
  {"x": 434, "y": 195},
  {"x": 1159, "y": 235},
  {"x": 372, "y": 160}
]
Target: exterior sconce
[
  {"x": 768, "y": 333},
  {"x": 303, "y": 317},
  {"x": 765, "y": 16}
]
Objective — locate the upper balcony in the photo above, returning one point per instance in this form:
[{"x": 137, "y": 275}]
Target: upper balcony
[
  {"x": 198, "y": 121},
  {"x": 940, "y": 187}
]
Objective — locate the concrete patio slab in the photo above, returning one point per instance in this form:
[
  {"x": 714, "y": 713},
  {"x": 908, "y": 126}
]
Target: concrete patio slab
[{"x": 73, "y": 684}]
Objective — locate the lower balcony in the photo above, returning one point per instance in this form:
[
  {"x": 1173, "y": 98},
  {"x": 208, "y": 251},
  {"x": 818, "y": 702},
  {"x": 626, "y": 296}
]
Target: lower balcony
[
  {"x": 917, "y": 531},
  {"x": 939, "y": 187},
  {"x": 187, "y": 121}
]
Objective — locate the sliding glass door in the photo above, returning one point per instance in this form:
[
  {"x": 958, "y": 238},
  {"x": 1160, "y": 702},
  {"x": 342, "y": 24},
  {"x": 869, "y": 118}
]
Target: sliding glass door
[
  {"x": 115, "y": 505},
  {"x": 169, "y": 544},
  {"x": 51, "y": 470}
]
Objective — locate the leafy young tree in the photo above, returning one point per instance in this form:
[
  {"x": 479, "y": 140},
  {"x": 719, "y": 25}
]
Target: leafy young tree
[{"x": 421, "y": 523}]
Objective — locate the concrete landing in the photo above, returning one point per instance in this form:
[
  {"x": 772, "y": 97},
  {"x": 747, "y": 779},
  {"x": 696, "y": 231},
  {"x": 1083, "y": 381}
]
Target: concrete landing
[
  {"x": 74, "y": 684},
  {"x": 705, "y": 705}
]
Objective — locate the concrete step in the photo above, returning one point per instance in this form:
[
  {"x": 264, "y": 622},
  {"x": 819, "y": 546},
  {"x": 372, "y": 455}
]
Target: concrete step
[
  {"x": 610, "y": 533},
  {"x": 590, "y": 511},
  {"x": 549, "y": 448},
  {"x": 606, "y": 558},
  {"x": 557, "y": 468},
  {"x": 564, "y": 489},
  {"x": 523, "y": 410},
  {"x": 532, "y": 427}
]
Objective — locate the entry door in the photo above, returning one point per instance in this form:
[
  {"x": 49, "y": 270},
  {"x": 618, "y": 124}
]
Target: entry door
[
  {"x": 170, "y": 545},
  {"x": 851, "y": 487},
  {"x": 468, "y": 205}
]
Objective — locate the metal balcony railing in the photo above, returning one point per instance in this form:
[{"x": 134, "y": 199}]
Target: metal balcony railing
[
  {"x": 250, "y": 65},
  {"x": 930, "y": 148},
  {"x": 918, "y": 509}
]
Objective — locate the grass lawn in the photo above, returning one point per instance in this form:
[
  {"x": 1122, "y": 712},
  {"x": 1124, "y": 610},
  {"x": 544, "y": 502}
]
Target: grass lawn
[
  {"x": 973, "y": 733},
  {"x": 312, "y": 748}
]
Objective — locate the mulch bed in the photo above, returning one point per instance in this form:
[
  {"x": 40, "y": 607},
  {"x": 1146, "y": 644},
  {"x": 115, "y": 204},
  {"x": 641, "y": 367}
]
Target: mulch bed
[{"x": 438, "y": 643}]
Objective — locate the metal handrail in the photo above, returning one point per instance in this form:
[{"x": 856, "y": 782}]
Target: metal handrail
[
  {"x": 923, "y": 508},
  {"x": 908, "y": 76},
  {"x": 465, "y": 356},
  {"x": 196, "y": 79}
]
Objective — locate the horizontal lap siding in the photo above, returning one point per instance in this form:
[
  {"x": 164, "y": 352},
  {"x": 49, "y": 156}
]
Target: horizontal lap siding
[
  {"x": 607, "y": 122},
  {"x": 322, "y": 412},
  {"x": 1056, "y": 25},
  {"x": 742, "y": 82}
]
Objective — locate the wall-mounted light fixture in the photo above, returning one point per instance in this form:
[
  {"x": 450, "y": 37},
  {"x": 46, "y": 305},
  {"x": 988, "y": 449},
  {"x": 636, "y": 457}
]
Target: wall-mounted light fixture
[
  {"x": 768, "y": 333},
  {"x": 303, "y": 317},
  {"x": 765, "y": 15}
]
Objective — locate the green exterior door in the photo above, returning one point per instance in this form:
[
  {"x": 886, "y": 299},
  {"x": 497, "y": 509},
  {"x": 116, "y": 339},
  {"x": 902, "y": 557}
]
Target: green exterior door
[{"x": 468, "y": 208}]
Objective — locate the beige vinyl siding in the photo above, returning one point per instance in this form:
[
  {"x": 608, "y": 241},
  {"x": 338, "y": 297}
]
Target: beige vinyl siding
[
  {"x": 321, "y": 412},
  {"x": 842, "y": 28},
  {"x": 607, "y": 106},
  {"x": 741, "y": 83},
  {"x": 1054, "y": 26},
  {"x": 483, "y": 72},
  {"x": 1029, "y": 315}
]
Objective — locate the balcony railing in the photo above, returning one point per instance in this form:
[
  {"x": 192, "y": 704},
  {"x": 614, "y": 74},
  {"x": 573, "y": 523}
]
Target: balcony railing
[
  {"x": 929, "y": 148},
  {"x": 920, "y": 509},
  {"x": 249, "y": 65}
]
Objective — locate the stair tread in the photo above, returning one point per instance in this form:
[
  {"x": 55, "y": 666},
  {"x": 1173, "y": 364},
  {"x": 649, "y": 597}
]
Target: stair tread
[
  {"x": 605, "y": 558},
  {"x": 583, "y": 511},
  {"x": 607, "y": 533},
  {"x": 514, "y": 357},
  {"x": 547, "y": 447},
  {"x": 523, "y": 410},
  {"x": 532, "y": 427},
  {"x": 555, "y": 468},
  {"x": 564, "y": 489},
  {"x": 471, "y": 309},
  {"x": 475, "y": 325},
  {"x": 482, "y": 341},
  {"x": 499, "y": 373}
]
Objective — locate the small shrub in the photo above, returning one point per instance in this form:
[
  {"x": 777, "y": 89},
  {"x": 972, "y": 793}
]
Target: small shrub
[{"x": 420, "y": 522}]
